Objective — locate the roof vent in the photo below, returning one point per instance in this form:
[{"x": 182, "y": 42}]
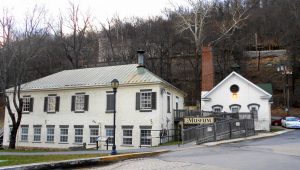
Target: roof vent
[{"x": 141, "y": 58}]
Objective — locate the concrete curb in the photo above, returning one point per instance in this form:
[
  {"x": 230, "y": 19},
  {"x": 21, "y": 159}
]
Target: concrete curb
[
  {"x": 82, "y": 162},
  {"x": 259, "y": 136}
]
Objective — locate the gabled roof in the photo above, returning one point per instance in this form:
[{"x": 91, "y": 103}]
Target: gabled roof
[
  {"x": 95, "y": 77},
  {"x": 243, "y": 78},
  {"x": 266, "y": 87}
]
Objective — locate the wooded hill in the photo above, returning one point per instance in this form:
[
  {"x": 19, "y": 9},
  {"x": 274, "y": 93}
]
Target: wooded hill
[{"x": 172, "y": 43}]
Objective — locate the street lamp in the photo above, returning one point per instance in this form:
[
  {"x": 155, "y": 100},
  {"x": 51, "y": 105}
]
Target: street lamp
[{"x": 114, "y": 85}]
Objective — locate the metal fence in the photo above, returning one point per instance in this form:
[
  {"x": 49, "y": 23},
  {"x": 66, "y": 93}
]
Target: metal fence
[
  {"x": 227, "y": 126},
  {"x": 164, "y": 136}
]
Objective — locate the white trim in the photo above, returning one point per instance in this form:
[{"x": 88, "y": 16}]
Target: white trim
[{"x": 268, "y": 96}]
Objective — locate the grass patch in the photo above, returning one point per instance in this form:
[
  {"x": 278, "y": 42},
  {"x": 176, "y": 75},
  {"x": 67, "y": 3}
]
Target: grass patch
[
  {"x": 33, "y": 150},
  {"x": 171, "y": 143},
  {"x": 18, "y": 160},
  {"x": 276, "y": 129}
]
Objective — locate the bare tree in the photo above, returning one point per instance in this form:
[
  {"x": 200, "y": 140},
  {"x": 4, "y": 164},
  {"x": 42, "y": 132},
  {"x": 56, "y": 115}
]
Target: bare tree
[
  {"x": 18, "y": 47},
  {"x": 72, "y": 31},
  {"x": 197, "y": 20}
]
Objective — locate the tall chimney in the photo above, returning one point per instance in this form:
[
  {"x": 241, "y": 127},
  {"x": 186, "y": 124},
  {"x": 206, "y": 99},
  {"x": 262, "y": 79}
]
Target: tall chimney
[
  {"x": 208, "y": 72},
  {"x": 141, "y": 58}
]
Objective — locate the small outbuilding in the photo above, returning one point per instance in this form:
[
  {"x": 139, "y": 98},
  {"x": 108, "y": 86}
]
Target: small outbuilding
[{"x": 237, "y": 94}]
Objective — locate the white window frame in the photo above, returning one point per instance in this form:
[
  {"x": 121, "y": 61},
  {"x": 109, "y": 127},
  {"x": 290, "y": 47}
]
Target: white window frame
[
  {"x": 78, "y": 136},
  {"x": 9, "y": 135},
  {"x": 234, "y": 109},
  {"x": 51, "y": 104},
  {"x": 254, "y": 107},
  {"x": 24, "y": 133},
  {"x": 215, "y": 108},
  {"x": 146, "y": 140},
  {"x": 93, "y": 135},
  {"x": 145, "y": 100},
  {"x": 168, "y": 103},
  {"x": 26, "y": 104},
  {"x": 126, "y": 136},
  {"x": 64, "y": 135},
  {"x": 79, "y": 102},
  {"x": 110, "y": 133},
  {"x": 50, "y": 134},
  {"x": 37, "y": 131}
]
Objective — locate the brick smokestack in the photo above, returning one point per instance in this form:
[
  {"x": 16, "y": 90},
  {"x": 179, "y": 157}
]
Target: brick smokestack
[{"x": 208, "y": 72}]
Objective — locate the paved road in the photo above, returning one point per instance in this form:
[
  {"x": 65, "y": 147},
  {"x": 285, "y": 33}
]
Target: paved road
[{"x": 275, "y": 153}]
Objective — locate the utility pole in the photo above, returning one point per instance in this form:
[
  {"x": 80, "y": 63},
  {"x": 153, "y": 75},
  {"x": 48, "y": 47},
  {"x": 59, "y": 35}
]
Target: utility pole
[{"x": 257, "y": 52}]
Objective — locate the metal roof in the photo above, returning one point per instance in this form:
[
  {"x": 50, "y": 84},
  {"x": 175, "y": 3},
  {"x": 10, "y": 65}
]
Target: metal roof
[{"x": 99, "y": 76}]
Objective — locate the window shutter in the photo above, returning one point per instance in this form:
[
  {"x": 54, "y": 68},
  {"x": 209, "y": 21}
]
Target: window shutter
[
  {"x": 57, "y": 103},
  {"x": 86, "y": 102},
  {"x": 107, "y": 102},
  {"x": 110, "y": 102},
  {"x": 137, "y": 103},
  {"x": 73, "y": 103},
  {"x": 153, "y": 102},
  {"x": 31, "y": 105},
  {"x": 45, "y": 104}
]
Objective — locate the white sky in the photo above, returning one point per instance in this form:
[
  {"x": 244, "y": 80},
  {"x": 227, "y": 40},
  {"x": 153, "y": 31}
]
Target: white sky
[{"x": 99, "y": 9}]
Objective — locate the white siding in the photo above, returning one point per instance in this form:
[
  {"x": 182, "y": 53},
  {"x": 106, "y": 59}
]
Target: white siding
[
  {"x": 247, "y": 94},
  {"x": 96, "y": 115}
]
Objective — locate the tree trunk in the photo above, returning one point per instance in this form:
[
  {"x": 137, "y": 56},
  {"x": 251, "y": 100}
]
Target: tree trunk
[{"x": 13, "y": 137}]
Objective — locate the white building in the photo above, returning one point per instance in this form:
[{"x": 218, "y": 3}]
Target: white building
[
  {"x": 73, "y": 107},
  {"x": 237, "y": 94}
]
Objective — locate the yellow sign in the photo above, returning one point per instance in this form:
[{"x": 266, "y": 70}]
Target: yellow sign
[{"x": 198, "y": 120}]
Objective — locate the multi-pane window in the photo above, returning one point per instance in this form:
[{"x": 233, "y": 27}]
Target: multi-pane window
[
  {"x": 50, "y": 134},
  {"x": 79, "y": 102},
  {"x": 64, "y": 134},
  {"x": 94, "y": 132},
  {"x": 51, "y": 103},
  {"x": 26, "y": 104},
  {"x": 254, "y": 112},
  {"x": 37, "y": 134},
  {"x": 145, "y": 100},
  {"x": 10, "y": 129},
  {"x": 146, "y": 137},
  {"x": 127, "y": 136},
  {"x": 110, "y": 134},
  {"x": 235, "y": 108},
  {"x": 78, "y": 135},
  {"x": 217, "y": 108},
  {"x": 24, "y": 133}
]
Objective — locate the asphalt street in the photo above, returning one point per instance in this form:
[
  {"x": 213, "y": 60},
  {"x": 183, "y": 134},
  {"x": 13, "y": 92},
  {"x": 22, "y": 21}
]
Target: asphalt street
[{"x": 274, "y": 153}]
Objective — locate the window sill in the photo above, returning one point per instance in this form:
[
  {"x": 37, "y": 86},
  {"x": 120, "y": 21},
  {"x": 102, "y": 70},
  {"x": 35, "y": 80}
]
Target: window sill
[
  {"x": 63, "y": 143},
  {"x": 24, "y": 141},
  {"x": 36, "y": 142},
  {"x": 145, "y": 110},
  {"x": 78, "y": 111},
  {"x": 109, "y": 111},
  {"x": 49, "y": 142},
  {"x": 126, "y": 145},
  {"x": 51, "y": 112},
  {"x": 25, "y": 112}
]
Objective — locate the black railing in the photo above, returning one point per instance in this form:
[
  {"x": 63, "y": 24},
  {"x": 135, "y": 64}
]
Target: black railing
[
  {"x": 227, "y": 126},
  {"x": 164, "y": 136}
]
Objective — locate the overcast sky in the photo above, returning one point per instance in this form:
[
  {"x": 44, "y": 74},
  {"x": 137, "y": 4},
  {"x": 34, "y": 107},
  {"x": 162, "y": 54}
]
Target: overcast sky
[{"x": 100, "y": 9}]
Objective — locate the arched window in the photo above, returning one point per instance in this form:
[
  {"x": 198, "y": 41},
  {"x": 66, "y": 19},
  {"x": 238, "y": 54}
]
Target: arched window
[
  {"x": 253, "y": 108},
  {"x": 235, "y": 108},
  {"x": 217, "y": 108}
]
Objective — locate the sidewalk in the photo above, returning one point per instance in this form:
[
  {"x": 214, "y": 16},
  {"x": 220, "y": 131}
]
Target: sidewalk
[{"x": 123, "y": 154}]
